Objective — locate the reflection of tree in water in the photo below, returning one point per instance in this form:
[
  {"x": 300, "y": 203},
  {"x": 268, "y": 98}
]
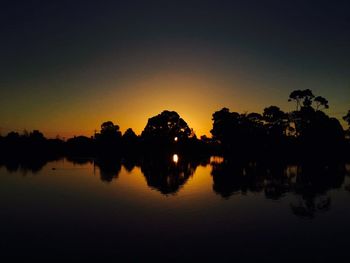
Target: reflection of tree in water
[
  {"x": 166, "y": 175},
  {"x": 26, "y": 164},
  {"x": 307, "y": 208},
  {"x": 230, "y": 177},
  {"x": 80, "y": 161},
  {"x": 130, "y": 162},
  {"x": 277, "y": 181},
  {"x": 347, "y": 170},
  {"x": 310, "y": 183},
  {"x": 109, "y": 168}
]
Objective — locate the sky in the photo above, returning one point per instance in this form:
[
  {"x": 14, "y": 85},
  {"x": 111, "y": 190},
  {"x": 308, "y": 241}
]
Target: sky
[{"x": 68, "y": 66}]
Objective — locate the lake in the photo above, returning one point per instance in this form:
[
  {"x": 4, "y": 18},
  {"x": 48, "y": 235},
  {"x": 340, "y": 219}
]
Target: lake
[{"x": 173, "y": 210}]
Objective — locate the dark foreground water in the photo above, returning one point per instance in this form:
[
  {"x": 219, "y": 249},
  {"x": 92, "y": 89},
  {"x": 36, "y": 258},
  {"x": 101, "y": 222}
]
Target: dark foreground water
[{"x": 156, "y": 211}]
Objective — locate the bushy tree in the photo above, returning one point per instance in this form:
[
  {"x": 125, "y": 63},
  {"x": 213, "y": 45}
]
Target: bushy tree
[{"x": 166, "y": 126}]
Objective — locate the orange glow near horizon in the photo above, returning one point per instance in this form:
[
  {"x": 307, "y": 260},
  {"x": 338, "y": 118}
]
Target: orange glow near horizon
[{"x": 130, "y": 101}]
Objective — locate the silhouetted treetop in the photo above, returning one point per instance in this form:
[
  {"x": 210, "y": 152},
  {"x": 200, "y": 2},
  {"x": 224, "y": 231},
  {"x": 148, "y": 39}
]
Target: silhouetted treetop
[
  {"x": 273, "y": 114},
  {"x": 302, "y": 98},
  {"x": 129, "y": 134},
  {"x": 321, "y": 102},
  {"x": 305, "y": 99},
  {"x": 109, "y": 129},
  {"x": 167, "y": 124}
]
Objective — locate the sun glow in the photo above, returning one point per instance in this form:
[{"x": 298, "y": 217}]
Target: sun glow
[{"x": 175, "y": 158}]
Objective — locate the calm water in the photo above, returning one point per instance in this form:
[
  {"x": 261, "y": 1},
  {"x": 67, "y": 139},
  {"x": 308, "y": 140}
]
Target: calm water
[{"x": 154, "y": 210}]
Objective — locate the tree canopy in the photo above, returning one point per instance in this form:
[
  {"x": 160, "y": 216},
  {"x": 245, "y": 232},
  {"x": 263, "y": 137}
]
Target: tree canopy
[{"x": 166, "y": 125}]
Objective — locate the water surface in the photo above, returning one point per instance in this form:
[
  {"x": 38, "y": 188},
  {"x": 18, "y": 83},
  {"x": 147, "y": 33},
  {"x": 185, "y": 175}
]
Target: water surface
[{"x": 176, "y": 210}]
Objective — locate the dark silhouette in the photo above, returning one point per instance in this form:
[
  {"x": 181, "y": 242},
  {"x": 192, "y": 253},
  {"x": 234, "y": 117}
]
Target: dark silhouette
[
  {"x": 318, "y": 136},
  {"x": 307, "y": 132},
  {"x": 238, "y": 134},
  {"x": 303, "y": 98},
  {"x": 80, "y": 146},
  {"x": 165, "y": 132},
  {"x": 108, "y": 141},
  {"x": 130, "y": 142}
]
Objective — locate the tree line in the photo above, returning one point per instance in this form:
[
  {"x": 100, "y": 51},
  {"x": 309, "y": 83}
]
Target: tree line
[{"x": 306, "y": 132}]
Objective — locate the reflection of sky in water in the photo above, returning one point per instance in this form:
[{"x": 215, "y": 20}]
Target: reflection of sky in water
[{"x": 175, "y": 158}]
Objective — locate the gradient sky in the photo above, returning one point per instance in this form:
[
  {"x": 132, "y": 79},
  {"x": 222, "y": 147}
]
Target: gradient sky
[{"x": 67, "y": 66}]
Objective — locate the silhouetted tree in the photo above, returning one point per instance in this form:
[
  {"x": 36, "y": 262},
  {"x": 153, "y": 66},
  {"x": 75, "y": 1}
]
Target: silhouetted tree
[
  {"x": 302, "y": 98},
  {"x": 225, "y": 124},
  {"x": 321, "y": 102},
  {"x": 129, "y": 135},
  {"x": 130, "y": 141},
  {"x": 109, "y": 130},
  {"x": 165, "y": 131},
  {"x": 237, "y": 133},
  {"x": 109, "y": 138}
]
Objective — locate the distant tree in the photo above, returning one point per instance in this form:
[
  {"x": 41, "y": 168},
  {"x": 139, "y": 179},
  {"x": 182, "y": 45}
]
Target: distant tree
[
  {"x": 12, "y": 136},
  {"x": 36, "y": 135},
  {"x": 109, "y": 138},
  {"x": 130, "y": 140},
  {"x": 321, "y": 102},
  {"x": 237, "y": 132},
  {"x": 308, "y": 96},
  {"x": 129, "y": 134},
  {"x": 302, "y": 98},
  {"x": 166, "y": 126},
  {"x": 108, "y": 129}
]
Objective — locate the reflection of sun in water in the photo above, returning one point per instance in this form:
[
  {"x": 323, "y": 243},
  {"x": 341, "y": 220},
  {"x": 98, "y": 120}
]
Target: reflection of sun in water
[{"x": 175, "y": 158}]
